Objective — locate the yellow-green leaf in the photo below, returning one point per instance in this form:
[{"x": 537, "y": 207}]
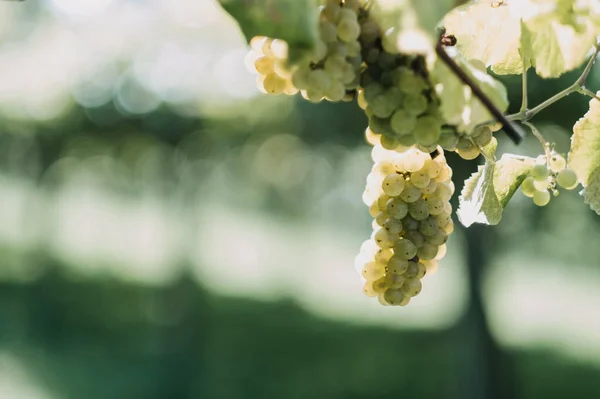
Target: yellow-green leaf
[
  {"x": 584, "y": 156},
  {"x": 591, "y": 194},
  {"x": 458, "y": 104},
  {"x": 489, "y": 190},
  {"x": 555, "y": 36}
]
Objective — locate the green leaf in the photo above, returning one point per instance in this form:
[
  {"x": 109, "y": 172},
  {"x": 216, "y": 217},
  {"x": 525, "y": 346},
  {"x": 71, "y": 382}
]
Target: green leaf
[
  {"x": 489, "y": 190},
  {"x": 294, "y": 21},
  {"x": 555, "y": 36},
  {"x": 458, "y": 104},
  {"x": 591, "y": 194},
  {"x": 584, "y": 156}
]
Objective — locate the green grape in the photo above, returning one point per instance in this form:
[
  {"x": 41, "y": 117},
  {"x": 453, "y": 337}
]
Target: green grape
[
  {"x": 348, "y": 30},
  {"x": 369, "y": 32},
  {"x": 405, "y": 249},
  {"x": 273, "y": 84},
  {"x": 412, "y": 287},
  {"x": 382, "y": 202},
  {"x": 419, "y": 210},
  {"x": 557, "y": 163},
  {"x": 402, "y": 122},
  {"x": 394, "y": 280},
  {"x": 346, "y": 13},
  {"x": 380, "y": 125},
  {"x": 380, "y": 285},
  {"x": 385, "y": 168},
  {"x": 335, "y": 92},
  {"x": 368, "y": 289},
  {"x": 394, "y": 297},
  {"x": 414, "y": 161},
  {"x": 436, "y": 205},
  {"x": 415, "y": 103},
  {"x": 374, "y": 209},
  {"x": 432, "y": 167},
  {"x": 384, "y": 239},
  {"x": 389, "y": 142},
  {"x": 330, "y": 11},
  {"x": 438, "y": 238},
  {"x": 337, "y": 49},
  {"x": 539, "y": 172},
  {"x": 383, "y": 255},
  {"x": 469, "y": 153},
  {"x": 427, "y": 251},
  {"x": 381, "y": 298},
  {"x": 396, "y": 208},
  {"x": 448, "y": 141},
  {"x": 416, "y": 237},
  {"x": 393, "y": 184},
  {"x": 527, "y": 187},
  {"x": 394, "y": 97},
  {"x": 541, "y": 185},
  {"x": 353, "y": 48},
  {"x": 428, "y": 227},
  {"x": 430, "y": 189},
  {"x": 443, "y": 191},
  {"x": 380, "y": 218},
  {"x": 397, "y": 265},
  {"x": 394, "y": 226},
  {"x": 422, "y": 271},
  {"x": 300, "y": 78},
  {"x": 264, "y": 65},
  {"x": 541, "y": 198},
  {"x": 420, "y": 178},
  {"x": 373, "y": 271},
  {"x": 313, "y": 95},
  {"x": 443, "y": 219},
  {"x": 483, "y": 137},
  {"x": 382, "y": 108},
  {"x": 412, "y": 270},
  {"x": 407, "y": 81},
  {"x": 410, "y": 192},
  {"x": 335, "y": 66},
  {"x": 567, "y": 178},
  {"x": 406, "y": 140},
  {"x": 327, "y": 32},
  {"x": 319, "y": 80},
  {"x": 410, "y": 224}
]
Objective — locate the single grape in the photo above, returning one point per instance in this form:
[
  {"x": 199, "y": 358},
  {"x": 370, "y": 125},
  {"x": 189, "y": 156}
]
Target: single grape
[
  {"x": 410, "y": 192},
  {"x": 412, "y": 287},
  {"x": 415, "y": 103},
  {"x": 369, "y": 290},
  {"x": 527, "y": 187},
  {"x": 384, "y": 238},
  {"x": 402, "y": 122},
  {"x": 394, "y": 280},
  {"x": 541, "y": 198},
  {"x": 557, "y": 163},
  {"x": 412, "y": 270},
  {"x": 539, "y": 172},
  {"x": 397, "y": 265},
  {"x": 410, "y": 224},
  {"x": 436, "y": 205},
  {"x": 420, "y": 178},
  {"x": 348, "y": 29},
  {"x": 416, "y": 237},
  {"x": 396, "y": 208},
  {"x": 427, "y": 251},
  {"x": 394, "y": 226},
  {"x": 405, "y": 249},
  {"x": 567, "y": 178},
  {"x": 394, "y": 297},
  {"x": 433, "y": 168},
  {"x": 380, "y": 218},
  {"x": 419, "y": 210},
  {"x": 373, "y": 271},
  {"x": 428, "y": 227}
]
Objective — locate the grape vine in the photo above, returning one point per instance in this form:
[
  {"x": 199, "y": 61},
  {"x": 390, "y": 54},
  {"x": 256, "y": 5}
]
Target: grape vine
[{"x": 439, "y": 95}]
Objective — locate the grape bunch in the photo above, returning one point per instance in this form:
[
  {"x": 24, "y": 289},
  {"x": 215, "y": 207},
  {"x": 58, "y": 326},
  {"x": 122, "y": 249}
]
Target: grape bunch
[
  {"x": 269, "y": 58},
  {"x": 546, "y": 176},
  {"x": 408, "y": 196},
  {"x": 331, "y": 71}
]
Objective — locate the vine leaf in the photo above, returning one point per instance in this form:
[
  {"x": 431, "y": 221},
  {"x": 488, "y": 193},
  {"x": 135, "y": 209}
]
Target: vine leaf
[
  {"x": 591, "y": 195},
  {"x": 487, "y": 192},
  {"x": 556, "y": 36},
  {"x": 458, "y": 104},
  {"x": 584, "y": 156},
  {"x": 294, "y": 21}
]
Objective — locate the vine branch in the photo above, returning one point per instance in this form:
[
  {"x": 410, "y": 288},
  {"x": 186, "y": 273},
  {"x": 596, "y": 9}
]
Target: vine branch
[
  {"x": 510, "y": 129},
  {"x": 524, "y": 85},
  {"x": 578, "y": 86}
]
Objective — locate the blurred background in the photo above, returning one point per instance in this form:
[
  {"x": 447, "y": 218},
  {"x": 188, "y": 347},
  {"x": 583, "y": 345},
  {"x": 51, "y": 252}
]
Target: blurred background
[{"x": 166, "y": 231}]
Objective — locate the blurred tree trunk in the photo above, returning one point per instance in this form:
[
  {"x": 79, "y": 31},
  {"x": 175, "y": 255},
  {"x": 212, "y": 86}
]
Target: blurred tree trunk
[{"x": 487, "y": 371}]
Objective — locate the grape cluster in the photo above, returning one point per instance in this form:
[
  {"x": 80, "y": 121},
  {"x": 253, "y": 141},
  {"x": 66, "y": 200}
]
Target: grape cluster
[
  {"x": 546, "y": 176},
  {"x": 408, "y": 196},
  {"x": 270, "y": 60},
  {"x": 332, "y": 69}
]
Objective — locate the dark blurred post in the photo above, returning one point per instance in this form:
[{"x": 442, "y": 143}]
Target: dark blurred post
[{"x": 487, "y": 371}]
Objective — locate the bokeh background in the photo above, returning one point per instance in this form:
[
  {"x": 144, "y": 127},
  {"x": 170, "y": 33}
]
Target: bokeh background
[{"x": 166, "y": 231}]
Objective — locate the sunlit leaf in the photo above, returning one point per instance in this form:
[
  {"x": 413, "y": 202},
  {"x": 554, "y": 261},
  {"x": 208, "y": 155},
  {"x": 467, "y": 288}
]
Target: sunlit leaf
[
  {"x": 555, "y": 36},
  {"x": 458, "y": 104},
  {"x": 489, "y": 190}
]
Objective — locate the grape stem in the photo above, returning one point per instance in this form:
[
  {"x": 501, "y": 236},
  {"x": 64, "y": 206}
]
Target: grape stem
[
  {"x": 524, "y": 85},
  {"x": 577, "y": 87},
  {"x": 540, "y": 137},
  {"x": 510, "y": 129}
]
